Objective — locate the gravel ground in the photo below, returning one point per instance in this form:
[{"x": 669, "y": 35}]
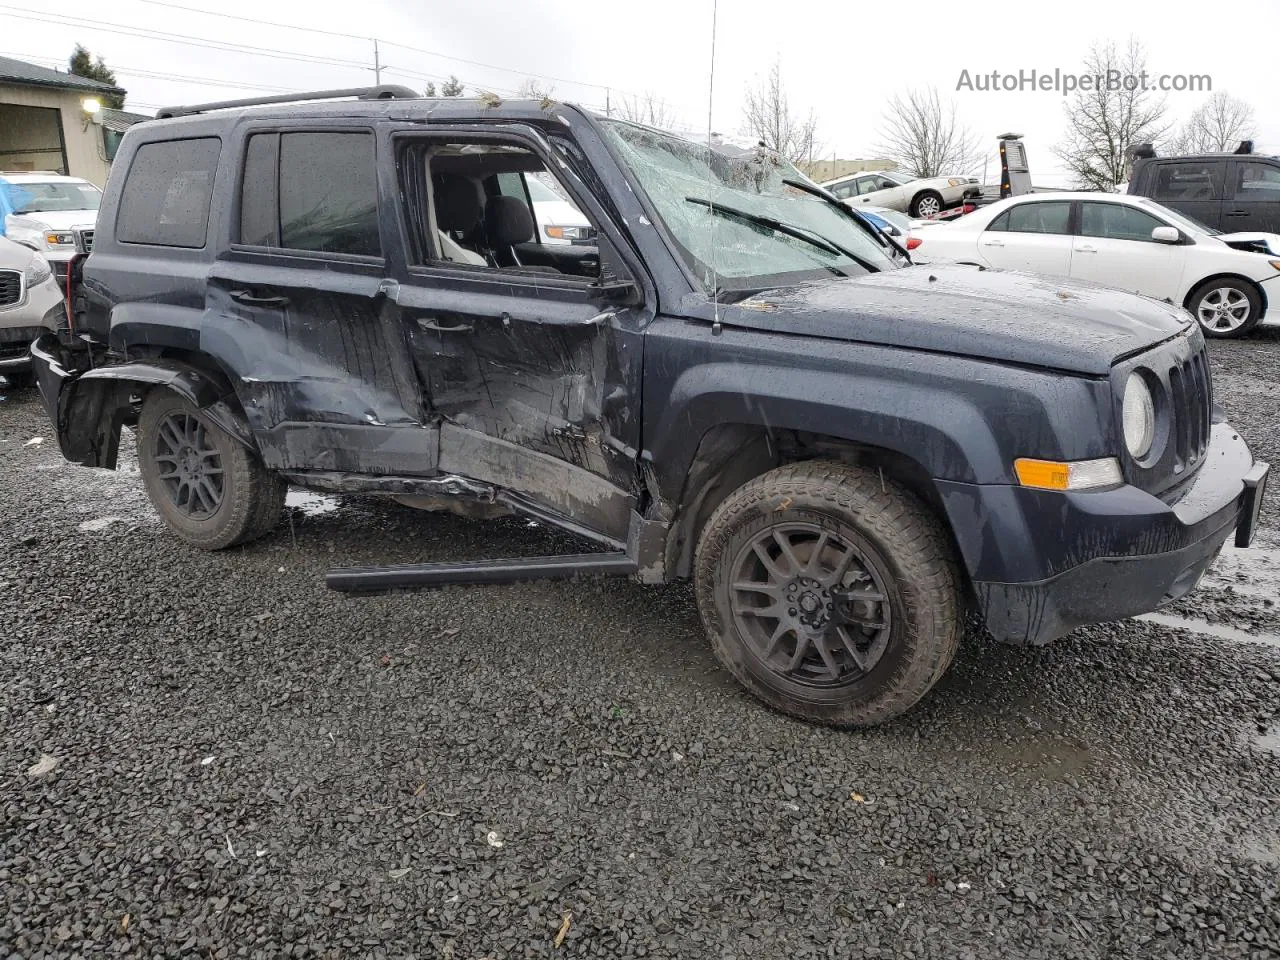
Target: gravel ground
[{"x": 248, "y": 765}]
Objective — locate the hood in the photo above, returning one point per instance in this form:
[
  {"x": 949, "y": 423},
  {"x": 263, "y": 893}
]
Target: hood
[
  {"x": 559, "y": 213},
  {"x": 1252, "y": 242},
  {"x": 990, "y": 314},
  {"x": 54, "y": 219},
  {"x": 14, "y": 256}
]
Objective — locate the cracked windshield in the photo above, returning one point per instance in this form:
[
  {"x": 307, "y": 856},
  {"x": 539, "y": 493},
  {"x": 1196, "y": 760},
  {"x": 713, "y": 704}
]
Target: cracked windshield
[{"x": 496, "y": 481}]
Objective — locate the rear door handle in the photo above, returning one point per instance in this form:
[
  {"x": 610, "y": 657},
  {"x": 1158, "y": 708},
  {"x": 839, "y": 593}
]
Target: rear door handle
[
  {"x": 993, "y": 243},
  {"x": 1086, "y": 248},
  {"x": 434, "y": 323},
  {"x": 248, "y": 299},
  {"x": 1237, "y": 213}
]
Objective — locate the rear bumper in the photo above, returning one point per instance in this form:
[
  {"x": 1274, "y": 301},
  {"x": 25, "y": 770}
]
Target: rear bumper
[{"x": 1044, "y": 563}]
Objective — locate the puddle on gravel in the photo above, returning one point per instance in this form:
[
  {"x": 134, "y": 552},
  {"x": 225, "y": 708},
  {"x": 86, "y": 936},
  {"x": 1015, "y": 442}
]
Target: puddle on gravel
[
  {"x": 1268, "y": 742},
  {"x": 1250, "y": 565},
  {"x": 310, "y": 503},
  {"x": 98, "y": 524},
  {"x": 1050, "y": 759},
  {"x": 1221, "y": 631}
]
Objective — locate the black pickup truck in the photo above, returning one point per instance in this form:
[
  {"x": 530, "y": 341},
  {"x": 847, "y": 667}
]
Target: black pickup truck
[{"x": 739, "y": 382}]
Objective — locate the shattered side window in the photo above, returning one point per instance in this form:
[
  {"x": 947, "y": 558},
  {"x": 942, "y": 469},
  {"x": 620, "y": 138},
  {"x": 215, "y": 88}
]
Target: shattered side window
[{"x": 686, "y": 181}]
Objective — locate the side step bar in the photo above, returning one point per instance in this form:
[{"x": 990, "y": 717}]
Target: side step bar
[{"x": 411, "y": 575}]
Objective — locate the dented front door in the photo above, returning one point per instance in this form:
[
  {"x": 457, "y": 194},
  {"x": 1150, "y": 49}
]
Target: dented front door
[{"x": 537, "y": 389}]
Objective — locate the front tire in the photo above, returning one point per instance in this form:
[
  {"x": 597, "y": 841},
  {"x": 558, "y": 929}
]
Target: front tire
[
  {"x": 927, "y": 203},
  {"x": 829, "y": 592},
  {"x": 211, "y": 491},
  {"x": 1226, "y": 308}
]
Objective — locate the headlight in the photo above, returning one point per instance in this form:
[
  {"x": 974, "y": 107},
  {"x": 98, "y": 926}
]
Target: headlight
[
  {"x": 1138, "y": 416},
  {"x": 955, "y": 182},
  {"x": 572, "y": 234},
  {"x": 38, "y": 271},
  {"x": 60, "y": 239}
]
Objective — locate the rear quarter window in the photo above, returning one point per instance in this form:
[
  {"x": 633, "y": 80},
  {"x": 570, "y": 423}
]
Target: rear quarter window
[{"x": 165, "y": 201}]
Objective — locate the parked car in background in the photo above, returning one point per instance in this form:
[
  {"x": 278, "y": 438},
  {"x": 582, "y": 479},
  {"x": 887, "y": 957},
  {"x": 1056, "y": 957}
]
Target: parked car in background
[
  {"x": 42, "y": 211},
  {"x": 1131, "y": 243},
  {"x": 31, "y": 303},
  {"x": 903, "y": 192},
  {"x": 559, "y": 221},
  {"x": 892, "y": 222},
  {"x": 1227, "y": 191}
]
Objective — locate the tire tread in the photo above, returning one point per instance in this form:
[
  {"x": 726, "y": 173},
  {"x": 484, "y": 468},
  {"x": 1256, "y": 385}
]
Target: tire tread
[{"x": 891, "y": 514}]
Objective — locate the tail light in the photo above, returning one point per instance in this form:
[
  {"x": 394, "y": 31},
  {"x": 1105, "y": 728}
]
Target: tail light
[{"x": 913, "y": 242}]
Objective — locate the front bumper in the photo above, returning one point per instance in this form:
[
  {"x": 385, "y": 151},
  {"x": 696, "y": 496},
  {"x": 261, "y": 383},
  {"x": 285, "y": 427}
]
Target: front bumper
[
  {"x": 41, "y": 310},
  {"x": 1044, "y": 563}
]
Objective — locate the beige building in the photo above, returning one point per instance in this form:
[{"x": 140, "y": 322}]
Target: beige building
[
  {"x": 823, "y": 170},
  {"x": 44, "y": 124}
]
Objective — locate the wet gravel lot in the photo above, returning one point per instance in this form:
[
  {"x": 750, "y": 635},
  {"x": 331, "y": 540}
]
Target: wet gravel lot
[{"x": 248, "y": 765}]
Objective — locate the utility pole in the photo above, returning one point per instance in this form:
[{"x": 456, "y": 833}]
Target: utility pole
[
  {"x": 377, "y": 65},
  {"x": 608, "y": 112}
]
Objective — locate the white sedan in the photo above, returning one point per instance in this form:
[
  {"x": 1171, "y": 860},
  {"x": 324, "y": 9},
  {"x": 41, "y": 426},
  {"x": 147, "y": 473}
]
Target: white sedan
[
  {"x": 1131, "y": 243},
  {"x": 902, "y": 192}
]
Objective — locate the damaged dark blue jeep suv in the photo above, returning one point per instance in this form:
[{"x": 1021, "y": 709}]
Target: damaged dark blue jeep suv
[{"x": 727, "y": 376}]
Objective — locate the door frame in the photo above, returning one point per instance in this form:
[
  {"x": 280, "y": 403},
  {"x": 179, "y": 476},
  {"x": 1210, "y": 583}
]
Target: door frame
[
  {"x": 394, "y": 441},
  {"x": 539, "y": 483}
]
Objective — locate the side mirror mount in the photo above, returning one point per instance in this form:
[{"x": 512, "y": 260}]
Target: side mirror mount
[
  {"x": 1166, "y": 235},
  {"x": 609, "y": 287},
  {"x": 611, "y": 290}
]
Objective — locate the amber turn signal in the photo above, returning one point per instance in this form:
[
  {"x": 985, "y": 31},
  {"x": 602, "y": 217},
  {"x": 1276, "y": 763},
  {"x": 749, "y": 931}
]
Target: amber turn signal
[{"x": 1080, "y": 475}]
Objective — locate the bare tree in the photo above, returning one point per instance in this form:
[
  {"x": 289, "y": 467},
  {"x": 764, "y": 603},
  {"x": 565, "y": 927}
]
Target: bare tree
[
  {"x": 534, "y": 89},
  {"x": 1109, "y": 117},
  {"x": 648, "y": 110},
  {"x": 1218, "y": 124},
  {"x": 769, "y": 116},
  {"x": 921, "y": 132},
  {"x": 452, "y": 87}
]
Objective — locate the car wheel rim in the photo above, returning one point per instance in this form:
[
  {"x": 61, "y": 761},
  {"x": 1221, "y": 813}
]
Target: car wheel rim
[
  {"x": 1223, "y": 309},
  {"x": 811, "y": 606},
  {"x": 190, "y": 465},
  {"x": 927, "y": 206}
]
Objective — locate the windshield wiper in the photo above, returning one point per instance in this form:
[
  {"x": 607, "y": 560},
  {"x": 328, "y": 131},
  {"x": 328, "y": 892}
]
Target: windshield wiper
[
  {"x": 799, "y": 233},
  {"x": 823, "y": 195}
]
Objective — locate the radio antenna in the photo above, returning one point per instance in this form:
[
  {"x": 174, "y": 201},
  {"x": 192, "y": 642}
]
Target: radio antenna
[{"x": 711, "y": 210}]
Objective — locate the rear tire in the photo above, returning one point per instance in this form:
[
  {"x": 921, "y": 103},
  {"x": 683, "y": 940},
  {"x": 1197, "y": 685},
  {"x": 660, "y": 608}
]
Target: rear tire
[
  {"x": 926, "y": 203},
  {"x": 829, "y": 592},
  {"x": 1226, "y": 308},
  {"x": 209, "y": 489}
]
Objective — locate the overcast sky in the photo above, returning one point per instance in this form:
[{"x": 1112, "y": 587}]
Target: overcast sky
[{"x": 843, "y": 60}]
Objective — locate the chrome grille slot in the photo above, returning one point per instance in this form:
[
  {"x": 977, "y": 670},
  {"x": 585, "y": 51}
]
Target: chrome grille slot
[{"x": 10, "y": 287}]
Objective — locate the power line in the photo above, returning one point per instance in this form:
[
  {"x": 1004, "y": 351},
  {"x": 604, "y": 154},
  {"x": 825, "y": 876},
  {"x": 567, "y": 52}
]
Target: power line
[
  {"x": 401, "y": 46},
  {"x": 181, "y": 38},
  {"x": 156, "y": 75},
  {"x": 261, "y": 23}
]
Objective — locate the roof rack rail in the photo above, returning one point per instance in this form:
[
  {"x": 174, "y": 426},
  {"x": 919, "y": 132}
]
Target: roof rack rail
[{"x": 385, "y": 92}]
